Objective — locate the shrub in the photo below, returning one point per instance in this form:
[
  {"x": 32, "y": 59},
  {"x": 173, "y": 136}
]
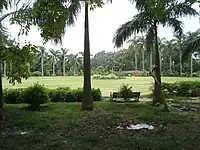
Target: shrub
[
  {"x": 125, "y": 91},
  {"x": 13, "y": 96},
  {"x": 72, "y": 95},
  {"x": 111, "y": 76},
  {"x": 36, "y": 95},
  {"x": 36, "y": 74},
  {"x": 183, "y": 88},
  {"x": 61, "y": 95}
]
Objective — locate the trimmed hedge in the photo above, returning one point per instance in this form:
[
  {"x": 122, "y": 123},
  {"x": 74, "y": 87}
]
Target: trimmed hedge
[
  {"x": 61, "y": 94},
  {"x": 183, "y": 88}
]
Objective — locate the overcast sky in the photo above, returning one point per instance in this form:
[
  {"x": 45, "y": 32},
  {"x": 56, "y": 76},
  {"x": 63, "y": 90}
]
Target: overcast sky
[{"x": 103, "y": 24}]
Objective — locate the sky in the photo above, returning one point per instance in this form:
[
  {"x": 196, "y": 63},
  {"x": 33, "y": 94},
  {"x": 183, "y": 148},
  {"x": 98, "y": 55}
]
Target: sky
[{"x": 103, "y": 23}]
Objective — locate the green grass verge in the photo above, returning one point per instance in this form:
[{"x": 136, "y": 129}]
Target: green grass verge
[
  {"x": 64, "y": 126},
  {"x": 140, "y": 84}
]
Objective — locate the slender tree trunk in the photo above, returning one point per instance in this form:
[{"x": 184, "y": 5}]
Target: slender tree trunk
[
  {"x": 64, "y": 66},
  {"x": 136, "y": 61},
  {"x": 160, "y": 57},
  {"x": 74, "y": 69},
  {"x": 180, "y": 57},
  {"x": 53, "y": 66},
  {"x": 170, "y": 64},
  {"x": 1, "y": 96},
  {"x": 87, "y": 103},
  {"x": 4, "y": 68},
  {"x": 191, "y": 65},
  {"x": 143, "y": 60},
  {"x": 28, "y": 67},
  {"x": 42, "y": 64},
  {"x": 151, "y": 60},
  {"x": 157, "y": 89},
  {"x": 10, "y": 66}
]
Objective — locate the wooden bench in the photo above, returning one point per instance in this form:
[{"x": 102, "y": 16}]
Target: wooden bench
[{"x": 116, "y": 95}]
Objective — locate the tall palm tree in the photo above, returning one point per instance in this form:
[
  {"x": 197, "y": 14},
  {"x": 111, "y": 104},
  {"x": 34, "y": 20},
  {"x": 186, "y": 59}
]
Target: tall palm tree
[
  {"x": 75, "y": 62},
  {"x": 169, "y": 48},
  {"x": 41, "y": 55},
  {"x": 134, "y": 47},
  {"x": 141, "y": 45},
  {"x": 54, "y": 54},
  {"x": 151, "y": 15},
  {"x": 179, "y": 42},
  {"x": 63, "y": 54}
]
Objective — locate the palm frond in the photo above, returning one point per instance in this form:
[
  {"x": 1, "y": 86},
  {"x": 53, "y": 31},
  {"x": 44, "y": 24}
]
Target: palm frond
[
  {"x": 191, "y": 46},
  {"x": 176, "y": 24},
  {"x": 182, "y": 9},
  {"x": 73, "y": 11},
  {"x": 139, "y": 24}
]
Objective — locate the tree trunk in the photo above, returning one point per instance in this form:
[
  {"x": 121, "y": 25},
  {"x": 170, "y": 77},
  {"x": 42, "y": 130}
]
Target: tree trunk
[
  {"x": 53, "y": 66},
  {"x": 157, "y": 89},
  {"x": 42, "y": 64},
  {"x": 74, "y": 69},
  {"x": 160, "y": 57},
  {"x": 64, "y": 66},
  {"x": 4, "y": 68},
  {"x": 180, "y": 57},
  {"x": 87, "y": 103},
  {"x": 1, "y": 96},
  {"x": 143, "y": 60},
  {"x": 10, "y": 66},
  {"x": 170, "y": 64},
  {"x": 151, "y": 60},
  {"x": 191, "y": 65},
  {"x": 28, "y": 67},
  {"x": 136, "y": 67}
]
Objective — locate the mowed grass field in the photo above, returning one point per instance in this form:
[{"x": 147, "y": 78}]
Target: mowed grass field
[{"x": 140, "y": 84}]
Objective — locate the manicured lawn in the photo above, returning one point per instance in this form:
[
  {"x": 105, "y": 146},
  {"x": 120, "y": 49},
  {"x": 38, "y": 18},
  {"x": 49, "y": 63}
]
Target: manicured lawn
[
  {"x": 139, "y": 84},
  {"x": 63, "y": 126}
]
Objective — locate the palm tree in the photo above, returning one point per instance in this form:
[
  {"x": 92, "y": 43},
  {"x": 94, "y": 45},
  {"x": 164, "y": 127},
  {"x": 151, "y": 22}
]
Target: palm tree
[
  {"x": 169, "y": 47},
  {"x": 63, "y": 54},
  {"x": 75, "y": 62},
  {"x": 134, "y": 48},
  {"x": 150, "y": 16},
  {"x": 41, "y": 55},
  {"x": 141, "y": 45},
  {"x": 179, "y": 42},
  {"x": 54, "y": 54},
  {"x": 87, "y": 103}
]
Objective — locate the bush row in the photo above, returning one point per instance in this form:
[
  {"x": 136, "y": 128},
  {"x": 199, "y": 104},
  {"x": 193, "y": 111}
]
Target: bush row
[
  {"x": 39, "y": 94},
  {"x": 183, "y": 88},
  {"x": 107, "y": 77}
]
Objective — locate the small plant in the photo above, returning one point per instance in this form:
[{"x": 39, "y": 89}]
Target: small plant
[
  {"x": 35, "y": 96},
  {"x": 125, "y": 91}
]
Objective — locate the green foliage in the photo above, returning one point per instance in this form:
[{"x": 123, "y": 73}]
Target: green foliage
[
  {"x": 125, "y": 91},
  {"x": 19, "y": 57},
  {"x": 36, "y": 95},
  {"x": 13, "y": 96},
  {"x": 72, "y": 95},
  {"x": 183, "y": 88},
  {"x": 108, "y": 77},
  {"x": 36, "y": 74},
  {"x": 61, "y": 95}
]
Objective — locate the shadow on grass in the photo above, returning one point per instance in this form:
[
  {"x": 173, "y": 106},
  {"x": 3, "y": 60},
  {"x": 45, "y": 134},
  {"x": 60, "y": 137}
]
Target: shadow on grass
[{"x": 42, "y": 108}]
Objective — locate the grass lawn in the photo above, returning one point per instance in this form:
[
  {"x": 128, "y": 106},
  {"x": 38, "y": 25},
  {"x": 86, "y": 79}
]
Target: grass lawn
[
  {"x": 63, "y": 126},
  {"x": 138, "y": 83}
]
